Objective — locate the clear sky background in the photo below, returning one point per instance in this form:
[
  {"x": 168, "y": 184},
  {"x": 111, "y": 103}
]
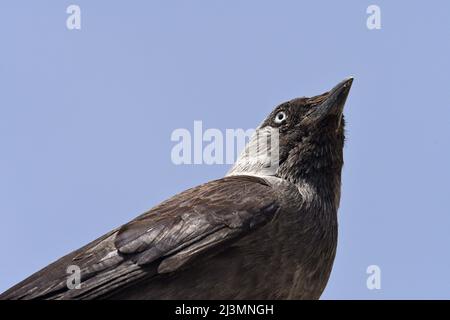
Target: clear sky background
[{"x": 86, "y": 117}]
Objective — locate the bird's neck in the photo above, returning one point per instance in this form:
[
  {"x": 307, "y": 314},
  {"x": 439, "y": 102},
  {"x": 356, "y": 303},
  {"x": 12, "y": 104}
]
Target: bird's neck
[
  {"x": 322, "y": 191},
  {"x": 316, "y": 172},
  {"x": 260, "y": 156},
  {"x": 314, "y": 166}
]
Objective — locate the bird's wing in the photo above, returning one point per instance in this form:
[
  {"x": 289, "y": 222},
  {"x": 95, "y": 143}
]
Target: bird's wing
[{"x": 202, "y": 220}]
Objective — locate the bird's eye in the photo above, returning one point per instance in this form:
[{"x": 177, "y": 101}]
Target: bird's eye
[{"x": 280, "y": 117}]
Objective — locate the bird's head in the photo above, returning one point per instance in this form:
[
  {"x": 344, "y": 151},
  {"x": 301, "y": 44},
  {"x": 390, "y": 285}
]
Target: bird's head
[{"x": 305, "y": 136}]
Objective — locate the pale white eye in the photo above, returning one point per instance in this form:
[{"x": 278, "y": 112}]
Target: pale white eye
[{"x": 280, "y": 117}]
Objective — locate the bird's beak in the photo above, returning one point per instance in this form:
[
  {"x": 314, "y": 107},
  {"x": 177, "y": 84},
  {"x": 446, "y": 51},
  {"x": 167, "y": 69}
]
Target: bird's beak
[{"x": 333, "y": 103}]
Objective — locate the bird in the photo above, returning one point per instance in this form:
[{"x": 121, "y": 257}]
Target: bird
[{"x": 264, "y": 231}]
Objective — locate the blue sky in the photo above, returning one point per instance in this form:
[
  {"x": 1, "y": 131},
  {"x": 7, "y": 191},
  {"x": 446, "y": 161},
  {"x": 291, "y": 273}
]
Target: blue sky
[{"x": 86, "y": 118}]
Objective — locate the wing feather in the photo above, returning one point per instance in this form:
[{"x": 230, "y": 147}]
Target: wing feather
[{"x": 202, "y": 220}]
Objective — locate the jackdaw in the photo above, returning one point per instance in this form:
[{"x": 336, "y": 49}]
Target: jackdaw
[{"x": 261, "y": 232}]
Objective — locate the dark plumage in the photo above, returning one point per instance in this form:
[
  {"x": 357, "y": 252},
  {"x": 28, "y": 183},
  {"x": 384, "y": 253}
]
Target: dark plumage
[{"x": 254, "y": 234}]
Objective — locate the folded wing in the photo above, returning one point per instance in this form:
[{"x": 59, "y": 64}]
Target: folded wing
[{"x": 200, "y": 221}]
